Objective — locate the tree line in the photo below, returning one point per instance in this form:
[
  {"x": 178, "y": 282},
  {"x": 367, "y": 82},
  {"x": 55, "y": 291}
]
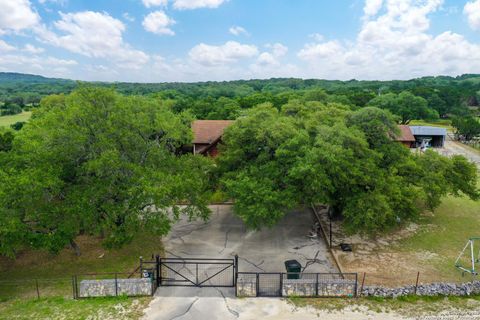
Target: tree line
[{"x": 101, "y": 163}]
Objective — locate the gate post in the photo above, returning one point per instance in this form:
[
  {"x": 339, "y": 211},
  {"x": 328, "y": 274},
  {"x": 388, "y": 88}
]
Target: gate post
[
  {"x": 258, "y": 284},
  {"x": 235, "y": 271},
  {"x": 159, "y": 269}
]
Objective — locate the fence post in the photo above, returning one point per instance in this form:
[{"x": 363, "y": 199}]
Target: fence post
[
  {"x": 316, "y": 285},
  {"x": 363, "y": 282},
  {"x": 141, "y": 266},
  {"x": 356, "y": 285},
  {"x": 116, "y": 285},
  {"x": 159, "y": 273},
  {"x": 281, "y": 284},
  {"x": 76, "y": 288},
  {"x": 73, "y": 288},
  {"x": 416, "y": 283},
  {"x": 236, "y": 270},
  {"x": 257, "y": 285},
  {"x": 38, "y": 291}
]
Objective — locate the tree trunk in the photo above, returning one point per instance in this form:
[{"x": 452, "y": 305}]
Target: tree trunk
[{"x": 75, "y": 247}]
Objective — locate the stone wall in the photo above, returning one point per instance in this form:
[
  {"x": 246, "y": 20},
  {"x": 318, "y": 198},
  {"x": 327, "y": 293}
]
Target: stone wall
[
  {"x": 246, "y": 288},
  {"x": 106, "y": 287},
  {"x": 433, "y": 289}
]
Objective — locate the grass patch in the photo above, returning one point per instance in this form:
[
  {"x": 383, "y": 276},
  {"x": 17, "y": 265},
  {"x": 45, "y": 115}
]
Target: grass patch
[
  {"x": 6, "y": 121},
  {"x": 17, "y": 277},
  {"x": 445, "y": 233},
  {"x": 407, "y": 305},
  {"x": 61, "y": 308}
]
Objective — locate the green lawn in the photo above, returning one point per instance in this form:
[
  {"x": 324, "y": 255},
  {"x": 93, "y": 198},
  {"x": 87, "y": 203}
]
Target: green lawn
[
  {"x": 6, "y": 121},
  {"x": 445, "y": 233},
  {"x": 18, "y": 293},
  {"x": 65, "y": 309}
]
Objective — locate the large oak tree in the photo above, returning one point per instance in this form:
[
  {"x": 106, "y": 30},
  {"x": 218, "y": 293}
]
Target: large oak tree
[{"x": 95, "y": 162}]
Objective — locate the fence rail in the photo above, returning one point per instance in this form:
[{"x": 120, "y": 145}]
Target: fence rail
[
  {"x": 35, "y": 288},
  {"x": 268, "y": 284}
]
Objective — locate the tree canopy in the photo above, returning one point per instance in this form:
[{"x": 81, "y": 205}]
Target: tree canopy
[
  {"x": 95, "y": 162},
  {"x": 310, "y": 152}
]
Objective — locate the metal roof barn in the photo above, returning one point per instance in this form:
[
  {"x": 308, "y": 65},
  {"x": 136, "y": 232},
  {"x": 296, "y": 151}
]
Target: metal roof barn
[{"x": 428, "y": 131}]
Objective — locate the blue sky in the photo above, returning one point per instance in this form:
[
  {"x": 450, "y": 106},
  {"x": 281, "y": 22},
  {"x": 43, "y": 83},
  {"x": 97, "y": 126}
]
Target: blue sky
[{"x": 199, "y": 40}]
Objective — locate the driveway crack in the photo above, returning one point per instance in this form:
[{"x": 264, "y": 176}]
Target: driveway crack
[
  {"x": 233, "y": 312},
  {"x": 253, "y": 264},
  {"x": 187, "y": 311},
  {"x": 226, "y": 241}
]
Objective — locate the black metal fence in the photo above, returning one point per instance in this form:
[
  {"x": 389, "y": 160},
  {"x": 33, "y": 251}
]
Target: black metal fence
[
  {"x": 267, "y": 284},
  {"x": 36, "y": 288},
  {"x": 196, "y": 272}
]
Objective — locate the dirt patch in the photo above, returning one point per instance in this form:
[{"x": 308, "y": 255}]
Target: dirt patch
[{"x": 380, "y": 258}]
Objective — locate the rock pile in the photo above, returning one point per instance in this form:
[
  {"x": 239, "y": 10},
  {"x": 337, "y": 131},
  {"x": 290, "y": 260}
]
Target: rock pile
[{"x": 433, "y": 289}]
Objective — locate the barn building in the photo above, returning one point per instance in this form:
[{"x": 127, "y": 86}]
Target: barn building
[
  {"x": 418, "y": 136},
  {"x": 207, "y": 134}
]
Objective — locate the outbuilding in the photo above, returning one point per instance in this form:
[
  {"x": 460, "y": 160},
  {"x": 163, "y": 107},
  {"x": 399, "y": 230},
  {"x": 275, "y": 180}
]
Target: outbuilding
[{"x": 429, "y": 136}]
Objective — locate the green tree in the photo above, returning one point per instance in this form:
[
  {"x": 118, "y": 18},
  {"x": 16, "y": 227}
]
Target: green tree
[
  {"x": 314, "y": 153},
  {"x": 406, "y": 105},
  {"x": 102, "y": 164},
  {"x": 467, "y": 127}
]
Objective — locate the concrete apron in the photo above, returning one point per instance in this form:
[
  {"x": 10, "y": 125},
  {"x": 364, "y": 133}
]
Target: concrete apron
[
  {"x": 225, "y": 235},
  {"x": 183, "y": 303}
]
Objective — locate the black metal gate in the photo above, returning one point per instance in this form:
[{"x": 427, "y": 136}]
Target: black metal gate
[
  {"x": 269, "y": 284},
  {"x": 196, "y": 272}
]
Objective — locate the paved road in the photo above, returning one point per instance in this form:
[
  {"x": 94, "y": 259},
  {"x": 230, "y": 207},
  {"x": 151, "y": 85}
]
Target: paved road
[
  {"x": 219, "y": 304},
  {"x": 225, "y": 235},
  {"x": 453, "y": 148}
]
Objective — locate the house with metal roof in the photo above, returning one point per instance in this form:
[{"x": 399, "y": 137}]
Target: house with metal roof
[
  {"x": 429, "y": 136},
  {"x": 422, "y": 136}
]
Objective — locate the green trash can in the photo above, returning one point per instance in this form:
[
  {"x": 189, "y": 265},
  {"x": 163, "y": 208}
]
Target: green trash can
[{"x": 294, "y": 268}]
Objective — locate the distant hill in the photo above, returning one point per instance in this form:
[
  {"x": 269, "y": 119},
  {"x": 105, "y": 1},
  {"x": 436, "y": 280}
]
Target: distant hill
[{"x": 6, "y": 77}]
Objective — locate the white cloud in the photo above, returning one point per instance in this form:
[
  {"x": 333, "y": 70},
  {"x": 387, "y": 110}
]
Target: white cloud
[
  {"x": 316, "y": 37},
  {"x": 93, "y": 34},
  {"x": 472, "y": 11},
  {"x": 45, "y": 65},
  {"x": 229, "y": 52},
  {"x": 196, "y": 4},
  {"x": 158, "y": 22},
  {"x": 128, "y": 17},
  {"x": 237, "y": 31},
  {"x": 372, "y": 7},
  {"x": 59, "y": 2},
  {"x": 5, "y": 47},
  {"x": 155, "y": 3},
  {"x": 17, "y": 15},
  {"x": 395, "y": 44},
  {"x": 32, "y": 49},
  {"x": 319, "y": 51}
]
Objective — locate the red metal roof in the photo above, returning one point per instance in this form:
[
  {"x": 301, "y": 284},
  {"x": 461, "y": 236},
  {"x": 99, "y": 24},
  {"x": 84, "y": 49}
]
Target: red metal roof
[
  {"x": 208, "y": 131},
  {"x": 405, "y": 134}
]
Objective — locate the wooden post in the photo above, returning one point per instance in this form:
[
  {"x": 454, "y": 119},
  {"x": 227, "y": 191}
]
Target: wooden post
[
  {"x": 116, "y": 285},
  {"x": 416, "y": 283},
  {"x": 38, "y": 291},
  {"x": 363, "y": 282},
  {"x": 141, "y": 267},
  {"x": 330, "y": 219}
]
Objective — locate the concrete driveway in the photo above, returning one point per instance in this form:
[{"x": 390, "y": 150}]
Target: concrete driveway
[
  {"x": 225, "y": 235},
  {"x": 219, "y": 304}
]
